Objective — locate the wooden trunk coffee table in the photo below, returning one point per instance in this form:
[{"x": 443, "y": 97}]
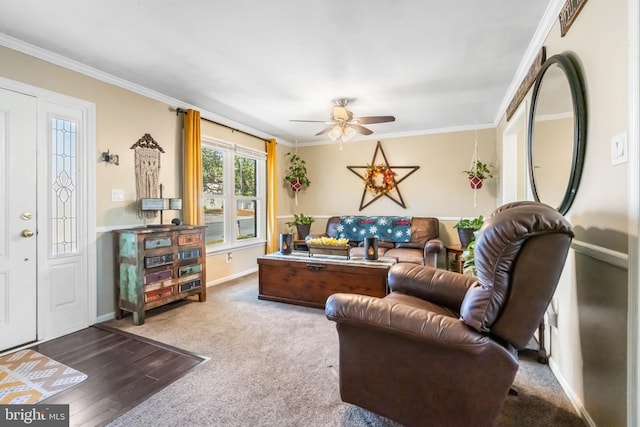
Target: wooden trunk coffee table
[{"x": 299, "y": 279}]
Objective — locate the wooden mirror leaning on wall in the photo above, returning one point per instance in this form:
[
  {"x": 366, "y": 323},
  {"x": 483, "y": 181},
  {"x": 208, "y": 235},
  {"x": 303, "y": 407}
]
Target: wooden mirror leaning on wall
[{"x": 557, "y": 133}]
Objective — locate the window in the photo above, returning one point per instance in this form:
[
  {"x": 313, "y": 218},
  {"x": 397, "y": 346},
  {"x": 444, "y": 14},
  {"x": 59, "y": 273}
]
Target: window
[
  {"x": 64, "y": 203},
  {"x": 233, "y": 182}
]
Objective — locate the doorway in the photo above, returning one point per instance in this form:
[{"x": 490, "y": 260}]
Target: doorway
[
  {"x": 47, "y": 241},
  {"x": 514, "y": 159}
]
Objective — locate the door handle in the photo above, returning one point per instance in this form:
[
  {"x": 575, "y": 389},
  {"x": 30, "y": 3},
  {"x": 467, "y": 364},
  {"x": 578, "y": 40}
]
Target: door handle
[
  {"x": 315, "y": 266},
  {"x": 27, "y": 233}
]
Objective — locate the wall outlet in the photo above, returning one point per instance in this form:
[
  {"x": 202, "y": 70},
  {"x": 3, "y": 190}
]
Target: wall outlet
[
  {"x": 619, "y": 149},
  {"x": 229, "y": 257},
  {"x": 117, "y": 195}
]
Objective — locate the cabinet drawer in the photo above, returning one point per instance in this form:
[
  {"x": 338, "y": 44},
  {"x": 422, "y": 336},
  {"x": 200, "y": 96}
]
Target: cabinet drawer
[
  {"x": 157, "y": 276},
  {"x": 154, "y": 261},
  {"x": 157, "y": 294},
  {"x": 189, "y": 269},
  {"x": 194, "y": 284},
  {"x": 157, "y": 285},
  {"x": 189, "y": 253},
  {"x": 185, "y": 239},
  {"x": 161, "y": 242}
]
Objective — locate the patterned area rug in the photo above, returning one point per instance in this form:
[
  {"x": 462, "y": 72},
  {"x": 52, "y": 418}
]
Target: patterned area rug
[{"x": 27, "y": 377}]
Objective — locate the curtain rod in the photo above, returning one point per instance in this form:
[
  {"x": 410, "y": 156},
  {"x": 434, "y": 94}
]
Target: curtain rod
[{"x": 183, "y": 111}]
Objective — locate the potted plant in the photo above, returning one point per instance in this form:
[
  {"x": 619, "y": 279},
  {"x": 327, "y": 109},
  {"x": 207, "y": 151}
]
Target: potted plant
[
  {"x": 478, "y": 172},
  {"x": 466, "y": 229},
  {"x": 296, "y": 173},
  {"x": 469, "y": 260},
  {"x": 302, "y": 223}
]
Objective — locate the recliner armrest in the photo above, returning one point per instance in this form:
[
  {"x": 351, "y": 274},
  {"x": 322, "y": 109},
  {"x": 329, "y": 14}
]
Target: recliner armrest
[
  {"x": 442, "y": 287},
  {"x": 433, "y": 246},
  {"x": 428, "y": 327}
]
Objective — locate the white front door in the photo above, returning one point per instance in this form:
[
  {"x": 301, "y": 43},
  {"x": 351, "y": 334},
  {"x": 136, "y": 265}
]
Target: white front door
[{"x": 18, "y": 195}]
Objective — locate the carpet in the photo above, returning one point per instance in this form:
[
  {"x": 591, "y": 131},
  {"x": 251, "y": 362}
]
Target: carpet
[
  {"x": 27, "y": 377},
  {"x": 276, "y": 364}
]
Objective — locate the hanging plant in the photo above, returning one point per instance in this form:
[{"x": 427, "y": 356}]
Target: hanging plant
[
  {"x": 478, "y": 172},
  {"x": 296, "y": 173}
]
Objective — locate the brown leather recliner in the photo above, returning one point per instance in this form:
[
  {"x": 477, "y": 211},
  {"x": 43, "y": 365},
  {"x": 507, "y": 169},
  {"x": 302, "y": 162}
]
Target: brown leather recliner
[{"x": 441, "y": 348}]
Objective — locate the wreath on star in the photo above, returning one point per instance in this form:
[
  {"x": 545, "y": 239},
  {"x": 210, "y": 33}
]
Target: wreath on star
[{"x": 371, "y": 181}]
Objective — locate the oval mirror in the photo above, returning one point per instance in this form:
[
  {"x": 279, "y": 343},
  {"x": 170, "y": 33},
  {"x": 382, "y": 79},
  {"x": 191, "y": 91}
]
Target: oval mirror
[{"x": 557, "y": 133}]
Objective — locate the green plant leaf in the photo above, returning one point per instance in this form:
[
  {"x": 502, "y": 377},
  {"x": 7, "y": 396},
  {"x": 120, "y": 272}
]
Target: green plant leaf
[
  {"x": 297, "y": 170},
  {"x": 300, "y": 219},
  {"x": 474, "y": 223}
]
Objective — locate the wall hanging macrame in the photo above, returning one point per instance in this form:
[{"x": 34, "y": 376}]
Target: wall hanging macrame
[
  {"x": 477, "y": 172},
  {"x": 381, "y": 179},
  {"x": 147, "y": 164},
  {"x": 296, "y": 178}
]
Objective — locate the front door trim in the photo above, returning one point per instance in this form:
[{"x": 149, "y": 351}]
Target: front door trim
[{"x": 88, "y": 165}]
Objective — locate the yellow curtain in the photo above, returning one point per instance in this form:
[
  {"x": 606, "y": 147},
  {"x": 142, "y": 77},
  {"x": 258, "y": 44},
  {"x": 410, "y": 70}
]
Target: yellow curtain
[
  {"x": 192, "y": 181},
  {"x": 272, "y": 237}
]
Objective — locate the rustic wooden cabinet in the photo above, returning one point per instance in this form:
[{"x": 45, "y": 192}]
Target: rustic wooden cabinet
[{"x": 158, "y": 265}]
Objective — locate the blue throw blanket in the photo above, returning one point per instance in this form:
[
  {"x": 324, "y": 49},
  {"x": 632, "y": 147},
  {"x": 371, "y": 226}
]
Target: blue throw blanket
[{"x": 385, "y": 228}]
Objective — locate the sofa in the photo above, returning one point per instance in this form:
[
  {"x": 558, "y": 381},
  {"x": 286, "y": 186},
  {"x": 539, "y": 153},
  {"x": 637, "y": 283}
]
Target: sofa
[{"x": 419, "y": 243}]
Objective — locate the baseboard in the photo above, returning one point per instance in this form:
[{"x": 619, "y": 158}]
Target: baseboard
[
  {"x": 110, "y": 316},
  {"x": 575, "y": 401},
  {"x": 231, "y": 277},
  {"x": 106, "y": 317}
]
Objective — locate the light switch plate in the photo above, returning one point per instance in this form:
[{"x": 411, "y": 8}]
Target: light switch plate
[
  {"x": 117, "y": 195},
  {"x": 619, "y": 149}
]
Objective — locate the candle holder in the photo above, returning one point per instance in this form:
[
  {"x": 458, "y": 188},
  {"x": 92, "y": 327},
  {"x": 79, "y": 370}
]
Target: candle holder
[
  {"x": 286, "y": 243},
  {"x": 371, "y": 248}
]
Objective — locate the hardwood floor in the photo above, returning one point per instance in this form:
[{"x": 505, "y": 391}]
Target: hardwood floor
[{"x": 123, "y": 371}]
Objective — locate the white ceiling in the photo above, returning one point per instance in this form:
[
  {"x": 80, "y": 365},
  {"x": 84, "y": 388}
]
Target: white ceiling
[{"x": 255, "y": 65}]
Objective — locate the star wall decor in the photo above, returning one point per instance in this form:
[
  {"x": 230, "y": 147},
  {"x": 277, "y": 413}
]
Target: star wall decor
[{"x": 381, "y": 180}]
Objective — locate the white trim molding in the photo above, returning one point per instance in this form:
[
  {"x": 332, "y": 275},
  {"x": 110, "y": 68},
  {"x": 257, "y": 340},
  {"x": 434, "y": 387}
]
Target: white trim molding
[{"x": 600, "y": 253}]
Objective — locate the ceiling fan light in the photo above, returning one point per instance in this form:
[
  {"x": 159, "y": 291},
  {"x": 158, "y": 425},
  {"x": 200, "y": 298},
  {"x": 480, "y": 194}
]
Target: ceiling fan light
[
  {"x": 348, "y": 133},
  {"x": 335, "y": 133}
]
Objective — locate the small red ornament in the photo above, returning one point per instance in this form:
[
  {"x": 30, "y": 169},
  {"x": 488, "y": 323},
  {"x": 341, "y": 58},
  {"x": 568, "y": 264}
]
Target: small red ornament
[{"x": 475, "y": 182}]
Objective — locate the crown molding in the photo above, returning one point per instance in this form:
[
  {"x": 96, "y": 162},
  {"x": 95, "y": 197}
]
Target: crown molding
[
  {"x": 378, "y": 136},
  {"x": 72, "y": 65},
  {"x": 544, "y": 28}
]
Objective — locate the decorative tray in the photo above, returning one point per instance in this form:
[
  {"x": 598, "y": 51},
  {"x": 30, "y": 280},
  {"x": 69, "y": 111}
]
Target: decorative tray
[{"x": 319, "y": 249}]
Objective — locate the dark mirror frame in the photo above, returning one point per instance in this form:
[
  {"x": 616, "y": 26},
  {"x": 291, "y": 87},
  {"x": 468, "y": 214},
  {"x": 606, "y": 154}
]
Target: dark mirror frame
[{"x": 579, "y": 127}]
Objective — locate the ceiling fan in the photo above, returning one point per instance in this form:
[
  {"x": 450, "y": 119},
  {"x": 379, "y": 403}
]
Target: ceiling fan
[{"x": 343, "y": 125}]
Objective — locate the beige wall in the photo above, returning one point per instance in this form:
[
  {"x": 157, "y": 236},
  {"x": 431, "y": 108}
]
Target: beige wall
[
  {"x": 438, "y": 188},
  {"x": 588, "y": 348}
]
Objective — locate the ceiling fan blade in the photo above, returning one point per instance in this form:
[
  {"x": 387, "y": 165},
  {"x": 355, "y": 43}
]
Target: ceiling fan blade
[
  {"x": 361, "y": 129},
  {"x": 325, "y": 130},
  {"x": 309, "y": 121},
  {"x": 374, "y": 119}
]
